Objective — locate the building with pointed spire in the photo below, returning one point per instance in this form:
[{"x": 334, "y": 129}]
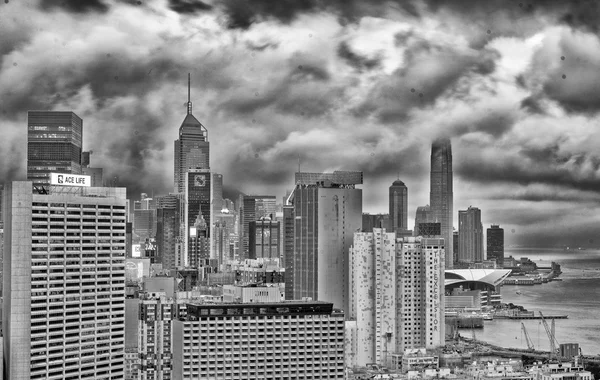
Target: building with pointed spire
[
  {"x": 441, "y": 195},
  {"x": 192, "y": 175},
  {"x": 192, "y": 148}
]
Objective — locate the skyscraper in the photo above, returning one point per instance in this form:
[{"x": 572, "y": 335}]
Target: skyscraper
[
  {"x": 470, "y": 236},
  {"x": 54, "y": 141},
  {"x": 398, "y": 206},
  {"x": 327, "y": 212},
  {"x": 397, "y": 295},
  {"x": 64, "y": 283},
  {"x": 192, "y": 147},
  {"x": 441, "y": 196},
  {"x": 253, "y": 207},
  {"x": 495, "y": 244},
  {"x": 197, "y": 202}
]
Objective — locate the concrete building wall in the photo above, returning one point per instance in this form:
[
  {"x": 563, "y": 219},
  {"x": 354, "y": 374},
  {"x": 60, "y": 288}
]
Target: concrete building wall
[
  {"x": 339, "y": 216},
  {"x": 16, "y": 310}
]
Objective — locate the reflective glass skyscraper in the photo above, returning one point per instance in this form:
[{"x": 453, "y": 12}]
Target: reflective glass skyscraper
[
  {"x": 192, "y": 147},
  {"x": 441, "y": 196},
  {"x": 398, "y": 206},
  {"x": 54, "y": 142}
]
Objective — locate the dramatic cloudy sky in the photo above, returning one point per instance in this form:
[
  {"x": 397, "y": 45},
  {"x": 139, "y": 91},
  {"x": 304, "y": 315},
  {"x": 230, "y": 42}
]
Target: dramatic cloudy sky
[{"x": 340, "y": 84}]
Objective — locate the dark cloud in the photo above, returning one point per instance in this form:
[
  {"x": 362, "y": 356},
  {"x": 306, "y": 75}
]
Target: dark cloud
[
  {"x": 261, "y": 46},
  {"x": 532, "y": 105},
  {"x": 532, "y": 166},
  {"x": 355, "y": 60},
  {"x": 76, "y": 6},
  {"x": 189, "y": 6},
  {"x": 411, "y": 87}
]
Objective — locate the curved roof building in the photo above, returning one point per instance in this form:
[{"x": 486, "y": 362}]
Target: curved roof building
[{"x": 475, "y": 279}]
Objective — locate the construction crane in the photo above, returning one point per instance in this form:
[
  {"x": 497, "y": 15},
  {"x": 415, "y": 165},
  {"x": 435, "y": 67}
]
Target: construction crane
[
  {"x": 554, "y": 345},
  {"x": 527, "y": 339}
]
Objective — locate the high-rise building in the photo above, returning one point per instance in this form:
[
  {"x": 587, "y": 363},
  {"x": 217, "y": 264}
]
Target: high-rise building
[
  {"x": 277, "y": 340},
  {"x": 168, "y": 214},
  {"x": 217, "y": 196},
  {"x": 197, "y": 202},
  {"x": 96, "y": 174},
  {"x": 370, "y": 221},
  {"x": 144, "y": 224},
  {"x": 470, "y": 236},
  {"x": 191, "y": 149},
  {"x": 326, "y": 215},
  {"x": 397, "y": 295},
  {"x": 264, "y": 239},
  {"x": 155, "y": 344},
  {"x": 422, "y": 215},
  {"x": 253, "y": 207},
  {"x": 64, "y": 283},
  {"x": 288, "y": 249},
  {"x": 441, "y": 195},
  {"x": 54, "y": 141},
  {"x": 398, "y": 199},
  {"x": 495, "y": 244},
  {"x": 199, "y": 244}
]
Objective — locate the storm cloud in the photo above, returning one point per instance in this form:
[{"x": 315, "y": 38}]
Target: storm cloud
[{"x": 358, "y": 85}]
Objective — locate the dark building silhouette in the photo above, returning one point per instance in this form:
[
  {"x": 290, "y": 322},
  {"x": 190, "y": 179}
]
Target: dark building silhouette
[
  {"x": 54, "y": 141},
  {"x": 441, "y": 195},
  {"x": 253, "y": 207},
  {"x": 398, "y": 203},
  {"x": 168, "y": 221},
  {"x": 470, "y": 236},
  {"x": 495, "y": 244},
  {"x": 370, "y": 221},
  {"x": 429, "y": 229},
  {"x": 264, "y": 239}
]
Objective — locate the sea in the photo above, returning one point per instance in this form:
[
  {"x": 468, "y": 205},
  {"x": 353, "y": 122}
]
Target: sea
[{"x": 577, "y": 296}]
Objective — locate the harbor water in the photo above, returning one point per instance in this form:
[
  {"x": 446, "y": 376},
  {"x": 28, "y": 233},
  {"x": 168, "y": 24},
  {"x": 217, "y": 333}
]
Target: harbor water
[{"x": 577, "y": 295}]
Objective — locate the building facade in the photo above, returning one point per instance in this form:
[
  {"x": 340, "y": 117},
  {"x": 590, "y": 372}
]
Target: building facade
[
  {"x": 264, "y": 239},
  {"x": 253, "y": 207},
  {"x": 495, "y": 244},
  {"x": 398, "y": 202},
  {"x": 281, "y": 340},
  {"x": 470, "y": 236},
  {"x": 54, "y": 141},
  {"x": 397, "y": 295},
  {"x": 64, "y": 283},
  {"x": 326, "y": 215},
  {"x": 441, "y": 196}
]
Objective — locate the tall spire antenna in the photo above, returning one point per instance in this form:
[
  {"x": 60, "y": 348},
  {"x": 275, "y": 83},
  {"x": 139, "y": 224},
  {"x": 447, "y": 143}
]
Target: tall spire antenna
[
  {"x": 189, "y": 102},
  {"x": 299, "y": 165}
]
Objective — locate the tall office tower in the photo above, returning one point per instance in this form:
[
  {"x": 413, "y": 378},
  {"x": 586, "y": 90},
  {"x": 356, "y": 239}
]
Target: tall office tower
[
  {"x": 288, "y": 249},
  {"x": 224, "y": 220},
  {"x": 192, "y": 147},
  {"x": 217, "y": 192},
  {"x": 422, "y": 215},
  {"x": 96, "y": 174},
  {"x": 199, "y": 244},
  {"x": 327, "y": 212},
  {"x": 441, "y": 195},
  {"x": 495, "y": 244},
  {"x": 470, "y": 236},
  {"x": 197, "y": 202},
  {"x": 264, "y": 239},
  {"x": 398, "y": 206},
  {"x": 370, "y": 221},
  {"x": 54, "y": 141},
  {"x": 155, "y": 345},
  {"x": 168, "y": 214},
  {"x": 397, "y": 295},
  {"x": 253, "y": 207},
  {"x": 455, "y": 243},
  {"x": 64, "y": 283},
  {"x": 144, "y": 224},
  {"x": 421, "y": 285},
  {"x": 277, "y": 340}
]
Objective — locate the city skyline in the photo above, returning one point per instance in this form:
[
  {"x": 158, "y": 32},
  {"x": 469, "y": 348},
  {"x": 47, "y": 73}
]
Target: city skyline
[{"x": 275, "y": 85}]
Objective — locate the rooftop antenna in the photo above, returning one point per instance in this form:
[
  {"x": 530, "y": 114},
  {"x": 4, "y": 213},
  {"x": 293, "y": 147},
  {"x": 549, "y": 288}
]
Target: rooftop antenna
[
  {"x": 299, "y": 165},
  {"x": 189, "y": 102}
]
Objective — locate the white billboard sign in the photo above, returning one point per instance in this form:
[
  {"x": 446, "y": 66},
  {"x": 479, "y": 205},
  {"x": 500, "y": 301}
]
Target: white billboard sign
[
  {"x": 136, "y": 250},
  {"x": 62, "y": 179}
]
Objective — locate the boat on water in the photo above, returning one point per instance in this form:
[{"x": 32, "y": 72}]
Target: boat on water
[{"x": 518, "y": 292}]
